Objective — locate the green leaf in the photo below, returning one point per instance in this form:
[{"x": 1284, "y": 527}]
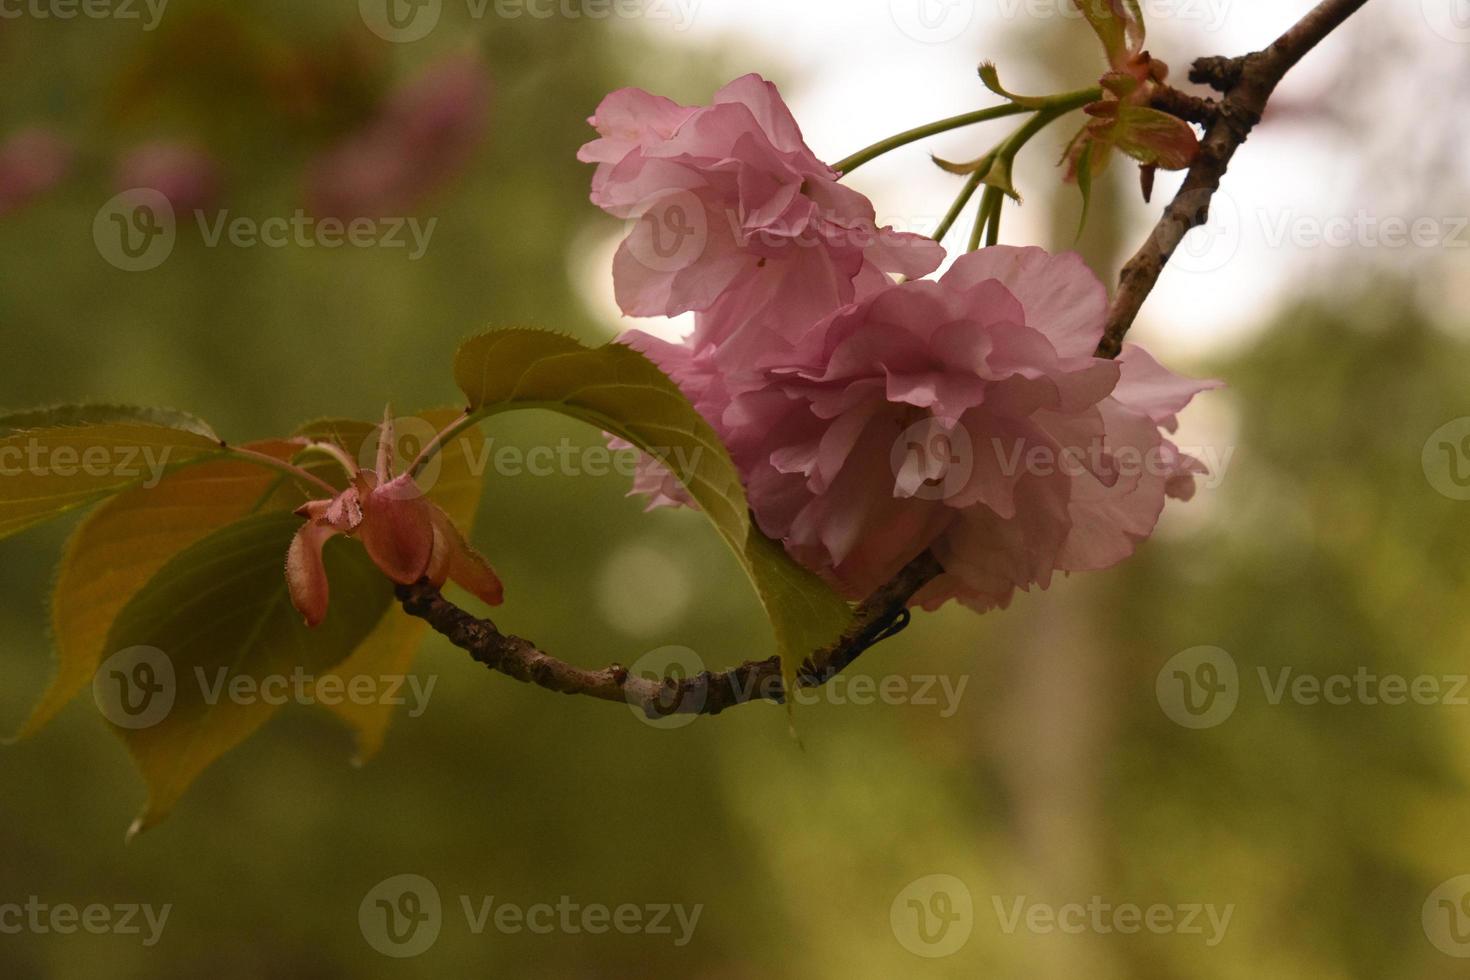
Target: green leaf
[
  {"x": 219, "y": 614},
  {"x": 119, "y": 547},
  {"x": 45, "y": 472},
  {"x": 1154, "y": 137},
  {"x": 1118, "y": 24},
  {"x": 619, "y": 390},
  {"x": 73, "y": 415}
]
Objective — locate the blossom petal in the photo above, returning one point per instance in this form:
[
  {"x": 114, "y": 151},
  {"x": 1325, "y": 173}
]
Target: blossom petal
[
  {"x": 398, "y": 534},
  {"x": 465, "y": 566},
  {"x": 1062, "y": 297},
  {"x": 306, "y": 573}
]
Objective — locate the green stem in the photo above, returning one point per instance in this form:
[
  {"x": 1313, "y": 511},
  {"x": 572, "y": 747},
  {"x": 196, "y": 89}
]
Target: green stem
[
  {"x": 966, "y": 192},
  {"x": 987, "y": 222},
  {"x": 990, "y": 202},
  {"x": 1065, "y": 102},
  {"x": 439, "y": 441}
]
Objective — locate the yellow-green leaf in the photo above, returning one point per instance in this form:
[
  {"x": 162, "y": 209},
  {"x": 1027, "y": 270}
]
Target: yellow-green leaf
[
  {"x": 46, "y": 472},
  {"x": 619, "y": 390},
  {"x": 116, "y": 550},
  {"x": 1154, "y": 137},
  {"x": 216, "y": 616},
  {"x": 74, "y": 415},
  {"x": 1118, "y": 24}
]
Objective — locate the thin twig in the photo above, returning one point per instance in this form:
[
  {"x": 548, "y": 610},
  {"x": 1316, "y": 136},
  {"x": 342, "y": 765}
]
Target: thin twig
[{"x": 1248, "y": 83}]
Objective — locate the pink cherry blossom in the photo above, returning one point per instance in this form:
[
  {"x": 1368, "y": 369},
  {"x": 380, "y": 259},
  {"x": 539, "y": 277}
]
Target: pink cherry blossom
[
  {"x": 407, "y": 536},
  {"x": 733, "y": 217},
  {"x": 966, "y": 415}
]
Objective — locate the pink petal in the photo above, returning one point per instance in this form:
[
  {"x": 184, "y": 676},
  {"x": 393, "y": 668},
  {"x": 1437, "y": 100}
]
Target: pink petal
[
  {"x": 398, "y": 534},
  {"x": 1147, "y": 386},
  {"x": 1062, "y": 296},
  {"x": 306, "y": 573},
  {"x": 465, "y": 566}
]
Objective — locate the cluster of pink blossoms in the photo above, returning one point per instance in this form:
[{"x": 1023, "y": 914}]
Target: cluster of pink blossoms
[{"x": 872, "y": 419}]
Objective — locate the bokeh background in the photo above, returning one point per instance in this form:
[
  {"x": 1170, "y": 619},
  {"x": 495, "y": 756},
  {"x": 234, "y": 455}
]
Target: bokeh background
[{"x": 1327, "y": 543}]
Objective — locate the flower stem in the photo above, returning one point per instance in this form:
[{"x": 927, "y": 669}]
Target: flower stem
[
  {"x": 990, "y": 203},
  {"x": 1065, "y": 102},
  {"x": 966, "y": 192},
  {"x": 438, "y": 442},
  {"x": 265, "y": 459},
  {"x": 337, "y": 453}
]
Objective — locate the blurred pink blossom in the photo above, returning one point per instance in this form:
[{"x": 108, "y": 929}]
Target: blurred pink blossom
[
  {"x": 184, "y": 173},
  {"x": 32, "y": 162},
  {"x": 423, "y": 138}
]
